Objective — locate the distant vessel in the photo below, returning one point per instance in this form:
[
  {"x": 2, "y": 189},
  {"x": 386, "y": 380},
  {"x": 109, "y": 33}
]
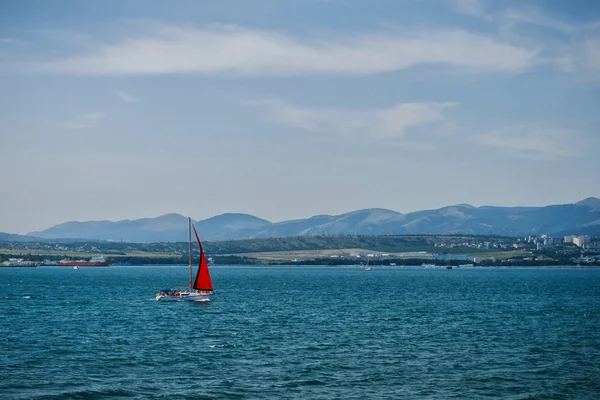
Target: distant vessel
[
  {"x": 199, "y": 289},
  {"x": 76, "y": 267},
  {"x": 94, "y": 262},
  {"x": 448, "y": 266}
]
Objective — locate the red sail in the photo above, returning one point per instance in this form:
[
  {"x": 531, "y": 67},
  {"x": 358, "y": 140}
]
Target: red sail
[{"x": 203, "y": 281}]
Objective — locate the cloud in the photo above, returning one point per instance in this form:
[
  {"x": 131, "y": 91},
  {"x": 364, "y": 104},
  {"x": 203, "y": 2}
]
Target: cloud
[
  {"x": 562, "y": 46},
  {"x": 533, "y": 16},
  {"x": 470, "y": 7},
  {"x": 82, "y": 121},
  {"x": 534, "y": 142},
  {"x": 511, "y": 16},
  {"x": 239, "y": 51},
  {"x": 592, "y": 53},
  {"x": 125, "y": 96},
  {"x": 385, "y": 123}
]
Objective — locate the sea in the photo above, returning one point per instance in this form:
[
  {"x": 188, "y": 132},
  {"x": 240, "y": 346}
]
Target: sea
[{"x": 301, "y": 333}]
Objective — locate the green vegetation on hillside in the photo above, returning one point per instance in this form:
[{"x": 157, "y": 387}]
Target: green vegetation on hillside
[
  {"x": 397, "y": 243},
  {"x": 329, "y": 250}
]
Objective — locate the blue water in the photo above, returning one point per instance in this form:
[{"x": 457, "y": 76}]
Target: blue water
[{"x": 301, "y": 333}]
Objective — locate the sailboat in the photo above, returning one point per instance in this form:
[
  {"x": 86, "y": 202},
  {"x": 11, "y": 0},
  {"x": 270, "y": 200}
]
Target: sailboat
[{"x": 199, "y": 289}]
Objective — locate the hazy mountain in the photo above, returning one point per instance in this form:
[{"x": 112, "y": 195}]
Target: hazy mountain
[
  {"x": 166, "y": 228},
  {"x": 374, "y": 221},
  {"x": 591, "y": 202},
  {"x": 11, "y": 237},
  {"x": 579, "y": 218},
  {"x": 230, "y": 226}
]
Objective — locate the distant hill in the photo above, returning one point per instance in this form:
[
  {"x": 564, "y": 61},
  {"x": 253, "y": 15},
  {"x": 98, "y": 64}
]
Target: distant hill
[
  {"x": 579, "y": 218},
  {"x": 11, "y": 237},
  {"x": 230, "y": 226},
  {"x": 166, "y": 228}
]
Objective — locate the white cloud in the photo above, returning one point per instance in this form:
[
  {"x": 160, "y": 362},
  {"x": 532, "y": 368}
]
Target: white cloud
[
  {"x": 592, "y": 52},
  {"x": 535, "y": 142},
  {"x": 470, "y": 7},
  {"x": 569, "y": 48},
  {"x": 522, "y": 15},
  {"x": 235, "y": 50},
  {"x": 534, "y": 16},
  {"x": 82, "y": 121},
  {"x": 386, "y": 123},
  {"x": 125, "y": 96}
]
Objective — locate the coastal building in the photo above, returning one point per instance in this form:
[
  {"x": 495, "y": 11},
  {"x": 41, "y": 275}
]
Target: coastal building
[
  {"x": 551, "y": 241},
  {"x": 569, "y": 239},
  {"x": 544, "y": 258},
  {"x": 581, "y": 241}
]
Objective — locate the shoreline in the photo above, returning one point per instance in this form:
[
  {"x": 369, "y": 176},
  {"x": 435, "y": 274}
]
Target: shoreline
[{"x": 328, "y": 266}]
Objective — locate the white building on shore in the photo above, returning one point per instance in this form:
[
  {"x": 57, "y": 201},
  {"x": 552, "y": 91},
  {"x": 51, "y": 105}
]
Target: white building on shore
[
  {"x": 569, "y": 239},
  {"x": 581, "y": 241}
]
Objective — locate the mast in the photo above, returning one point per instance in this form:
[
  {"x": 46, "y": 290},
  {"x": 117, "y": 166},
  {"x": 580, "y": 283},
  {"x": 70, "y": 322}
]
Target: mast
[{"x": 190, "y": 247}]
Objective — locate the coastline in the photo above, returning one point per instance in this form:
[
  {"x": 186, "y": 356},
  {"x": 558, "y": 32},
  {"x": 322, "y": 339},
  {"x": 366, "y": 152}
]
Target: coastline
[{"x": 323, "y": 265}]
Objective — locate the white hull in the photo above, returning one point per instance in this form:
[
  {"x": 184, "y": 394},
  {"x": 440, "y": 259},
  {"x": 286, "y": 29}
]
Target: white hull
[
  {"x": 191, "y": 292},
  {"x": 201, "y": 298}
]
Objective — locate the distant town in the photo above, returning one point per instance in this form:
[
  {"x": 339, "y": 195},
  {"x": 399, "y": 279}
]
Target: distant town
[{"x": 429, "y": 250}]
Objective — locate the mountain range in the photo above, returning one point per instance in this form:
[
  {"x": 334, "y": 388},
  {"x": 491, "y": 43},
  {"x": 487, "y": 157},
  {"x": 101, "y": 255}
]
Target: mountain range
[{"x": 555, "y": 220}]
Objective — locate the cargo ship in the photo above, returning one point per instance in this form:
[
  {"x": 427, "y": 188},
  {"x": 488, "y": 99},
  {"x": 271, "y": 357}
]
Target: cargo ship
[{"x": 94, "y": 262}]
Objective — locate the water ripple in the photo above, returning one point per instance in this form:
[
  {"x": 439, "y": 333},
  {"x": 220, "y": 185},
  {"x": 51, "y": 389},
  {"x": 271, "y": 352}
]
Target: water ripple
[{"x": 298, "y": 333}]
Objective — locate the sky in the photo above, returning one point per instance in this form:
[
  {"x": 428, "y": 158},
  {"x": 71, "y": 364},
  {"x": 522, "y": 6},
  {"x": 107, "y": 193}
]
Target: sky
[{"x": 127, "y": 109}]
